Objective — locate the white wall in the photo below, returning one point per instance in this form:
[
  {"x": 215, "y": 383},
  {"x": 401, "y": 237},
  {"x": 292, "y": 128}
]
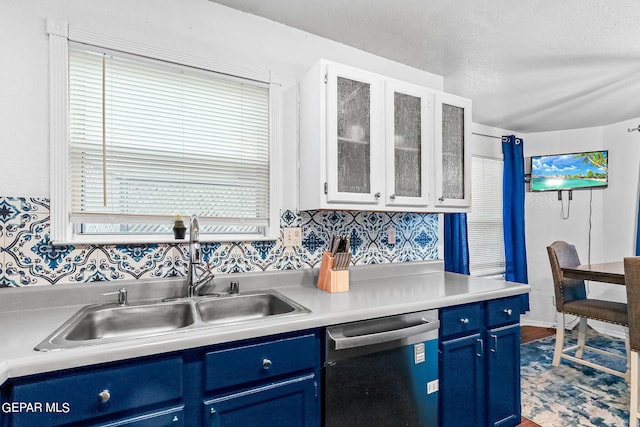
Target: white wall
[
  {"x": 613, "y": 213},
  {"x": 195, "y": 27}
]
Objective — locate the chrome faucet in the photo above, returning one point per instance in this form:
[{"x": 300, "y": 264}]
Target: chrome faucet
[{"x": 195, "y": 260}]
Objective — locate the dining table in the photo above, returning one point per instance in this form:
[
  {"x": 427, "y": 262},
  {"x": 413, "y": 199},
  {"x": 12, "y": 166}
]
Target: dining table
[{"x": 608, "y": 272}]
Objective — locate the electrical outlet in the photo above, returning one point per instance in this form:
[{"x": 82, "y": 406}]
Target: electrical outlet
[
  {"x": 391, "y": 235},
  {"x": 292, "y": 236}
]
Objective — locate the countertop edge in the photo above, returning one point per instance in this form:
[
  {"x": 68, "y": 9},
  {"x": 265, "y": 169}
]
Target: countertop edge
[{"x": 343, "y": 311}]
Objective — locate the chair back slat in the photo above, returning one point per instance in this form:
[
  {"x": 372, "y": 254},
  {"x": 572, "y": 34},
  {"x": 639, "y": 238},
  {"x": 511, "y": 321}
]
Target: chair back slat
[{"x": 632, "y": 283}]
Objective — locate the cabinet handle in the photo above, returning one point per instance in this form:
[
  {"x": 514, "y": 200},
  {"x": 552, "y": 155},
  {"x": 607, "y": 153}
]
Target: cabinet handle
[
  {"x": 266, "y": 364},
  {"x": 494, "y": 349},
  {"x": 508, "y": 311},
  {"x": 464, "y": 321},
  {"x": 377, "y": 195},
  {"x": 104, "y": 396},
  {"x": 392, "y": 197},
  {"x": 479, "y": 347},
  {"x": 175, "y": 420},
  {"x": 213, "y": 418},
  {"x": 441, "y": 198}
]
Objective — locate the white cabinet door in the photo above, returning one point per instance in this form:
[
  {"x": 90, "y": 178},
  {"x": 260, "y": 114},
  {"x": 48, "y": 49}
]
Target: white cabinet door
[
  {"x": 355, "y": 136},
  {"x": 452, "y": 152},
  {"x": 409, "y": 145}
]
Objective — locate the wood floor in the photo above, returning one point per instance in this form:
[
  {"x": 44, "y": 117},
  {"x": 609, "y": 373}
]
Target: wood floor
[{"x": 531, "y": 333}]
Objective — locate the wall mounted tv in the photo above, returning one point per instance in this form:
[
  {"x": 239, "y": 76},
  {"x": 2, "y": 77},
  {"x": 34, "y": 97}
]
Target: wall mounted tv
[{"x": 569, "y": 171}]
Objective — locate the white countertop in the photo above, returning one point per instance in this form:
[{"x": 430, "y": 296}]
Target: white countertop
[{"x": 375, "y": 291}]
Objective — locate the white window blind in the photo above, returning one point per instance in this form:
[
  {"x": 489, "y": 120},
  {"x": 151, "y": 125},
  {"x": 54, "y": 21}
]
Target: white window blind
[
  {"x": 484, "y": 222},
  {"x": 150, "y": 140}
]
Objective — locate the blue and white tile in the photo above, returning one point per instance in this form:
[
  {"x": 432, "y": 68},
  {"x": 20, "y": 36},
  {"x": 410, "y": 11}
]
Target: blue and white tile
[
  {"x": 133, "y": 261},
  {"x": 29, "y": 256}
]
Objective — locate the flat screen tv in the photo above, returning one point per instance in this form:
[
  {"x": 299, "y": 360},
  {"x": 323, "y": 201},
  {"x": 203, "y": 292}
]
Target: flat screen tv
[{"x": 569, "y": 171}]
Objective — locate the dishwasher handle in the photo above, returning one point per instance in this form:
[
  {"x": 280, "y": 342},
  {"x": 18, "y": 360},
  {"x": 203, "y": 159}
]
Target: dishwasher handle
[{"x": 341, "y": 342}]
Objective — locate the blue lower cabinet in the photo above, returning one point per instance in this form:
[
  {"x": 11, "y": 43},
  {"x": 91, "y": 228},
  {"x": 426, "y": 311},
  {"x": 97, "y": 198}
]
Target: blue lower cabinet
[
  {"x": 480, "y": 371},
  {"x": 266, "y": 383},
  {"x": 101, "y": 393},
  {"x": 271, "y": 381},
  {"x": 289, "y": 403},
  {"x": 462, "y": 380},
  {"x": 503, "y": 376}
]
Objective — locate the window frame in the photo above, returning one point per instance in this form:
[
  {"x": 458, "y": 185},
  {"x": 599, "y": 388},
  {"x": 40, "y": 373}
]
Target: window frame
[{"x": 63, "y": 231}]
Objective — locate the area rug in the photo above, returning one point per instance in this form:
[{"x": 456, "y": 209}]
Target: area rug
[{"x": 571, "y": 394}]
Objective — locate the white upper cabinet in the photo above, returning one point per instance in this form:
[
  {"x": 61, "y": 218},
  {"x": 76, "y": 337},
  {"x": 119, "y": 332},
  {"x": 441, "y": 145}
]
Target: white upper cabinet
[
  {"x": 355, "y": 136},
  {"x": 367, "y": 142},
  {"x": 452, "y": 152},
  {"x": 409, "y": 145}
]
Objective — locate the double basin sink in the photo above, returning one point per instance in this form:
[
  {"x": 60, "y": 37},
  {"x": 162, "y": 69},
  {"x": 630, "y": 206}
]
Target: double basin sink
[{"x": 103, "y": 323}]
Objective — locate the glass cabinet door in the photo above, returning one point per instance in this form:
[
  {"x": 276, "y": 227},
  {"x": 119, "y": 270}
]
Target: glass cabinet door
[
  {"x": 409, "y": 144},
  {"x": 353, "y": 137},
  {"x": 453, "y": 157}
]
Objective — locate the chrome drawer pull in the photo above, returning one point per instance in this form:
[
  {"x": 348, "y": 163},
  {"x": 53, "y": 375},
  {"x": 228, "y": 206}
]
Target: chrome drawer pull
[
  {"x": 495, "y": 343},
  {"x": 104, "y": 396},
  {"x": 508, "y": 311},
  {"x": 479, "y": 347},
  {"x": 464, "y": 321},
  {"x": 266, "y": 364}
]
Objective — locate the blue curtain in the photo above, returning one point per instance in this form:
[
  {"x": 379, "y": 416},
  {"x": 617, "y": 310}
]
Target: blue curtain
[
  {"x": 456, "y": 244},
  {"x": 513, "y": 189}
]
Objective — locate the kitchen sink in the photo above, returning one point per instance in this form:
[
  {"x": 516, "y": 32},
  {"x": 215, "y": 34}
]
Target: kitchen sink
[
  {"x": 242, "y": 308},
  {"x": 104, "y": 323},
  {"x": 111, "y": 322}
]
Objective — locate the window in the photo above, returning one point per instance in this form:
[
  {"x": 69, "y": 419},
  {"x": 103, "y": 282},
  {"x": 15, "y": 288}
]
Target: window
[
  {"x": 484, "y": 222},
  {"x": 150, "y": 139}
]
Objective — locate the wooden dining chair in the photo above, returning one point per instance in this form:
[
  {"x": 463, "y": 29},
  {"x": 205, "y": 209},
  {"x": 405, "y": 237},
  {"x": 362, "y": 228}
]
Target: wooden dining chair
[
  {"x": 632, "y": 282},
  {"x": 571, "y": 298}
]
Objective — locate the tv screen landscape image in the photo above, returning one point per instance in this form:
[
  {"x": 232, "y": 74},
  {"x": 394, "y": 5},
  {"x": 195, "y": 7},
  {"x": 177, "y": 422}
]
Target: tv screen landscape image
[{"x": 569, "y": 171}]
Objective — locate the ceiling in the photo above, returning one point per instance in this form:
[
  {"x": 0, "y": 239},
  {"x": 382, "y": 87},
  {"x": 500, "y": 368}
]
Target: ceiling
[{"x": 528, "y": 66}]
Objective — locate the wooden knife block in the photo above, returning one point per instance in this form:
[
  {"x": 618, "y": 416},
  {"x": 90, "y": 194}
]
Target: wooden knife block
[{"x": 331, "y": 280}]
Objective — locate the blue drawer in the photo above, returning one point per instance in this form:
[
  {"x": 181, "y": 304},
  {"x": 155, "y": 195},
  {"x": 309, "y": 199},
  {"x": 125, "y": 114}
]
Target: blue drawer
[
  {"x": 256, "y": 362},
  {"x": 172, "y": 417},
  {"x": 72, "y": 397},
  {"x": 503, "y": 311},
  {"x": 462, "y": 319}
]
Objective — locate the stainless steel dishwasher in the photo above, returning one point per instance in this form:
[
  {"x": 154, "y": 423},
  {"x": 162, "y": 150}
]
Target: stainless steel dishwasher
[{"x": 382, "y": 372}]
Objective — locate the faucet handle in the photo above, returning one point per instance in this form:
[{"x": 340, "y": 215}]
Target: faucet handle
[
  {"x": 122, "y": 295},
  {"x": 234, "y": 287}
]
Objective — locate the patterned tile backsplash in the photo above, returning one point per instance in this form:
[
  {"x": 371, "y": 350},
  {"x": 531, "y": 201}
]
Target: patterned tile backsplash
[{"x": 28, "y": 258}]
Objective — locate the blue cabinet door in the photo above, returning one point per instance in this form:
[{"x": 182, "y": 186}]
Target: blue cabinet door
[
  {"x": 503, "y": 376},
  {"x": 290, "y": 403},
  {"x": 462, "y": 380}
]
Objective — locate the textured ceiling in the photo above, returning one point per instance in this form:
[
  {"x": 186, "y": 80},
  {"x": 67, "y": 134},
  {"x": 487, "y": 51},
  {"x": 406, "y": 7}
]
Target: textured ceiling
[{"x": 528, "y": 66}]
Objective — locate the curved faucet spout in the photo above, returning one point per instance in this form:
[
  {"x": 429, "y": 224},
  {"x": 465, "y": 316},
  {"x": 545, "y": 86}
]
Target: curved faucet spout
[
  {"x": 194, "y": 230},
  {"x": 195, "y": 259}
]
